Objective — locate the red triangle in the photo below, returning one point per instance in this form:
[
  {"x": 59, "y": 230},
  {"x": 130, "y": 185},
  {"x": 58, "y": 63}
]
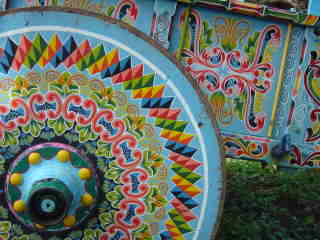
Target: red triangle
[
  {"x": 68, "y": 62},
  {"x": 25, "y": 44},
  {"x": 20, "y": 56},
  {"x": 192, "y": 164},
  {"x": 173, "y": 234},
  {"x": 16, "y": 65},
  {"x": 173, "y": 156},
  {"x": 162, "y": 113},
  {"x": 126, "y": 75},
  {"x": 173, "y": 114},
  {"x": 77, "y": 56},
  {"x": 117, "y": 78},
  {"x": 154, "y": 112},
  {"x": 137, "y": 71},
  {"x": 84, "y": 48},
  {"x": 183, "y": 210}
]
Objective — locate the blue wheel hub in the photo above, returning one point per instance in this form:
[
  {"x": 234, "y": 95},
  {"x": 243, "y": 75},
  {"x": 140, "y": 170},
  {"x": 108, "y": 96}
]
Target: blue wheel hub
[{"x": 41, "y": 190}]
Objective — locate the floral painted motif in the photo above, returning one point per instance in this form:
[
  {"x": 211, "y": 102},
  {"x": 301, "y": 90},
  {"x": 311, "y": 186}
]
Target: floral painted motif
[
  {"x": 109, "y": 126},
  {"x": 125, "y": 10},
  {"x": 235, "y": 81},
  {"x": 312, "y": 86}
]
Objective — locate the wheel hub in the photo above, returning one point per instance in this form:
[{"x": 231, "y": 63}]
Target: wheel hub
[{"x": 41, "y": 187}]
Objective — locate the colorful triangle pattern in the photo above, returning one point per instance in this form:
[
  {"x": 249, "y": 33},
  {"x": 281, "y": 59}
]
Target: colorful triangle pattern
[
  {"x": 37, "y": 51},
  {"x": 165, "y": 113},
  {"x": 96, "y": 60},
  {"x": 185, "y": 173},
  {"x": 175, "y": 136},
  {"x": 183, "y": 161},
  {"x": 174, "y": 231}
]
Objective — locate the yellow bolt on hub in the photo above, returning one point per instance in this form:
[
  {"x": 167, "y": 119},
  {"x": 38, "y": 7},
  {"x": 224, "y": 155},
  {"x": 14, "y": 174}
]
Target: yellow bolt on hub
[
  {"x": 69, "y": 221},
  {"x": 85, "y": 173},
  {"x": 16, "y": 179},
  {"x": 39, "y": 226},
  {"x": 87, "y": 200},
  {"x": 63, "y": 156},
  {"x": 34, "y": 158},
  {"x": 19, "y": 206}
]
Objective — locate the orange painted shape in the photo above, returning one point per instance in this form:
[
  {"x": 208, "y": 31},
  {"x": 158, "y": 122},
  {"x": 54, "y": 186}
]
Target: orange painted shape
[
  {"x": 184, "y": 161},
  {"x": 183, "y": 210}
]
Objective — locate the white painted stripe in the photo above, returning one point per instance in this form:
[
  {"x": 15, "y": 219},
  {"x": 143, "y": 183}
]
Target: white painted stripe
[{"x": 204, "y": 155}]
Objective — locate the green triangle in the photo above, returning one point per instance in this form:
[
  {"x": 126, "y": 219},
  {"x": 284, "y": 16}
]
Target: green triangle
[
  {"x": 98, "y": 52},
  {"x": 180, "y": 126},
  {"x": 193, "y": 177},
  {"x": 174, "y": 211},
  {"x": 180, "y": 170},
  {"x": 176, "y": 167},
  {"x": 147, "y": 80},
  {"x": 137, "y": 83},
  {"x": 29, "y": 62},
  {"x": 39, "y": 43},
  {"x": 37, "y": 54},
  {"x": 184, "y": 228},
  {"x": 95, "y": 55},
  {"x": 176, "y": 217},
  {"x": 170, "y": 124},
  {"x": 128, "y": 85},
  {"x": 178, "y": 220},
  {"x": 32, "y": 58},
  {"x": 90, "y": 60},
  {"x": 33, "y": 53},
  {"x": 160, "y": 122},
  {"x": 81, "y": 65}
]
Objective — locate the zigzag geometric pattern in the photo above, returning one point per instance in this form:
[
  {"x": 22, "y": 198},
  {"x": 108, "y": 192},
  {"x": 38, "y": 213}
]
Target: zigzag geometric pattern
[{"x": 95, "y": 59}]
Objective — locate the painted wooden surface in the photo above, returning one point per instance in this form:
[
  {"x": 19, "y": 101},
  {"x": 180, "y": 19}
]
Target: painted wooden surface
[
  {"x": 241, "y": 63},
  {"x": 259, "y": 75},
  {"x": 314, "y": 8},
  {"x": 235, "y": 60},
  {"x": 115, "y": 97},
  {"x": 138, "y": 13}
]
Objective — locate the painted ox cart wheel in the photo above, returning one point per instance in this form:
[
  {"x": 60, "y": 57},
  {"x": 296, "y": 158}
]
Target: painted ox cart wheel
[{"x": 101, "y": 134}]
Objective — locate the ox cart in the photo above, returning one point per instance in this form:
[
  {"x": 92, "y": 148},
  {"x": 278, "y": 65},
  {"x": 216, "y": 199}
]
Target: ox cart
[{"x": 116, "y": 115}]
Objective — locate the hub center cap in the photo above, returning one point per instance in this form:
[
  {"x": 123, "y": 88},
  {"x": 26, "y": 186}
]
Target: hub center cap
[
  {"x": 48, "y": 205},
  {"x": 52, "y": 187}
]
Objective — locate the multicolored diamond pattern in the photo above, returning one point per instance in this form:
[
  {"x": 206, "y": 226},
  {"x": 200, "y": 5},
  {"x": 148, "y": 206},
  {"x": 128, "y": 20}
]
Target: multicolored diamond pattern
[{"x": 96, "y": 60}]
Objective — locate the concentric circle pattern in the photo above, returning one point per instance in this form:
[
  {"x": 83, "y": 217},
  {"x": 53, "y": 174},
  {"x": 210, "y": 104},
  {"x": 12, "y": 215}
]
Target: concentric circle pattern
[{"x": 100, "y": 137}]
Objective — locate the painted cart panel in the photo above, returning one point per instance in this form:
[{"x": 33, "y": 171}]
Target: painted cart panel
[
  {"x": 237, "y": 62},
  {"x": 247, "y": 66},
  {"x": 297, "y": 113},
  {"x": 113, "y": 96}
]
